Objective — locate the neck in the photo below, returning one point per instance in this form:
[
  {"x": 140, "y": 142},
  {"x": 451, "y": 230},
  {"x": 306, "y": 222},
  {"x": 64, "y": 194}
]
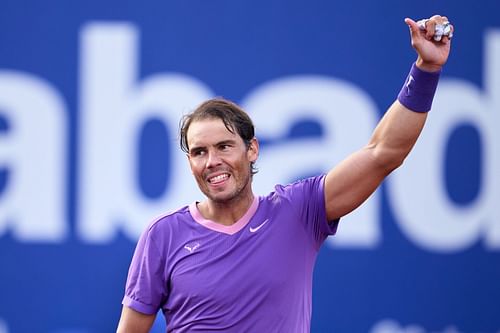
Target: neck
[{"x": 226, "y": 212}]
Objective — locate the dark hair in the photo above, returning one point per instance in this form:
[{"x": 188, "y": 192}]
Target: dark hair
[{"x": 235, "y": 119}]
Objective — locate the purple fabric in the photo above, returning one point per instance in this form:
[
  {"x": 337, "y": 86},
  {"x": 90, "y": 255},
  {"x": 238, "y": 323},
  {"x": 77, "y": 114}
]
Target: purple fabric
[
  {"x": 257, "y": 279},
  {"x": 418, "y": 91}
]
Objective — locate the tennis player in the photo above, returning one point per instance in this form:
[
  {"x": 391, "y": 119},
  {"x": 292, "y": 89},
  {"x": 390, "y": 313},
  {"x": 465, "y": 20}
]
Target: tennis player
[{"x": 237, "y": 262}]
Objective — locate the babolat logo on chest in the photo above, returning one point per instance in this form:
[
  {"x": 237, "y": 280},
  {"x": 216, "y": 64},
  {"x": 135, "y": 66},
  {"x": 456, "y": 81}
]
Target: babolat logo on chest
[{"x": 191, "y": 247}]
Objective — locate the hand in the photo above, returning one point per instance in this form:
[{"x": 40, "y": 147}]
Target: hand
[{"x": 432, "y": 55}]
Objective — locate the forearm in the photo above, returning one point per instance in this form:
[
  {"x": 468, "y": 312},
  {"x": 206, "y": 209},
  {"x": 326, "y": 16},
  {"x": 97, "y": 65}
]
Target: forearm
[
  {"x": 395, "y": 135},
  {"x": 400, "y": 127}
]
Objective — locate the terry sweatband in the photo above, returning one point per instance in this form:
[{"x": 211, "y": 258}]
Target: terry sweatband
[{"x": 418, "y": 91}]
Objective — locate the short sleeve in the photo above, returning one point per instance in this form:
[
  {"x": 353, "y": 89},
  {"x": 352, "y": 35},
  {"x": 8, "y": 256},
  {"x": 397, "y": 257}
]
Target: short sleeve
[
  {"x": 146, "y": 288},
  {"x": 307, "y": 197}
]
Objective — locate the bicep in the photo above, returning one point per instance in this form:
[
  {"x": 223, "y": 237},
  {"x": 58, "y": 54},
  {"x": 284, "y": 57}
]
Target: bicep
[
  {"x": 351, "y": 182},
  {"x": 132, "y": 321}
]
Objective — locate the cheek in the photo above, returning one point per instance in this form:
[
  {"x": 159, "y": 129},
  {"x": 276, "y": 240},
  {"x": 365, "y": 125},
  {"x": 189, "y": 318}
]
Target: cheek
[{"x": 194, "y": 166}]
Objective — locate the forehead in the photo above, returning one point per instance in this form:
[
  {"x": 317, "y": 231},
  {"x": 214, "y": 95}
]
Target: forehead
[{"x": 210, "y": 131}]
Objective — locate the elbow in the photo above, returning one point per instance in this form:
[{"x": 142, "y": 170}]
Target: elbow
[{"x": 388, "y": 159}]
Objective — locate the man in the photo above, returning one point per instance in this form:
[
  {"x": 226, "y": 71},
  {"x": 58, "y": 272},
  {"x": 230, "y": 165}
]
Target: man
[{"x": 236, "y": 262}]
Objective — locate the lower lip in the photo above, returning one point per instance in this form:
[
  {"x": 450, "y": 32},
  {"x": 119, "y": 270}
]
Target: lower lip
[{"x": 219, "y": 183}]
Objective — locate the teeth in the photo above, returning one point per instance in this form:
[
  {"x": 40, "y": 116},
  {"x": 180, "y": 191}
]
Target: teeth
[{"x": 218, "y": 178}]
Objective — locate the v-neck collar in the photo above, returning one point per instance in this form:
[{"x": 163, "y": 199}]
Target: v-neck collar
[{"x": 226, "y": 229}]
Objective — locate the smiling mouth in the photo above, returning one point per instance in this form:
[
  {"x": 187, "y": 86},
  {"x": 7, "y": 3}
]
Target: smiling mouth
[{"x": 218, "y": 179}]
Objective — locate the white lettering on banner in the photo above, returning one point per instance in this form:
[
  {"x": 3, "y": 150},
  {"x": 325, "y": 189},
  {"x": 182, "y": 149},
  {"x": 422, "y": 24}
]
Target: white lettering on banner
[
  {"x": 419, "y": 199},
  {"x": 342, "y": 109},
  {"x": 491, "y": 74},
  {"x": 392, "y": 326},
  {"x": 114, "y": 106},
  {"x": 3, "y": 327},
  {"x": 32, "y": 151}
]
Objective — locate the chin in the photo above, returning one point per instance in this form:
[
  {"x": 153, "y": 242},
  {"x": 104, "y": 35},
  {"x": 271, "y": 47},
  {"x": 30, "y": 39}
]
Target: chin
[{"x": 222, "y": 197}]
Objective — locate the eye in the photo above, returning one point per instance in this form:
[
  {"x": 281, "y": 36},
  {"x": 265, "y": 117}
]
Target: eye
[
  {"x": 225, "y": 147},
  {"x": 197, "y": 152}
]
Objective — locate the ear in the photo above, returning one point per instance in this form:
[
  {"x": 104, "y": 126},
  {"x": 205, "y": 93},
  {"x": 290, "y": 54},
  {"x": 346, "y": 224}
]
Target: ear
[{"x": 253, "y": 150}]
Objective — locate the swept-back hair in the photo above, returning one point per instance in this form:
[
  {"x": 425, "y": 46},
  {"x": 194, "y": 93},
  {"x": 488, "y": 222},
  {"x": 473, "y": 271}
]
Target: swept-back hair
[{"x": 234, "y": 118}]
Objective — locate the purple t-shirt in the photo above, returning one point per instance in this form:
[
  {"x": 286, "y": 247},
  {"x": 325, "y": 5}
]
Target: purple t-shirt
[{"x": 252, "y": 276}]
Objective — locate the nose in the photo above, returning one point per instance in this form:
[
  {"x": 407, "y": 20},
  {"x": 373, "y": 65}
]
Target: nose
[{"x": 213, "y": 159}]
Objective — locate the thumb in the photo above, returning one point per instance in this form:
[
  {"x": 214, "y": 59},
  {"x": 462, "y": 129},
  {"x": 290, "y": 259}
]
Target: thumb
[{"x": 414, "y": 28}]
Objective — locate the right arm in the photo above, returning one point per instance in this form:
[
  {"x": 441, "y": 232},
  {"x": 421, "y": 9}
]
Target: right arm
[
  {"x": 351, "y": 182},
  {"x": 132, "y": 321}
]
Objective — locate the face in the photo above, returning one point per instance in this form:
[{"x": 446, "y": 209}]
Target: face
[{"x": 220, "y": 160}]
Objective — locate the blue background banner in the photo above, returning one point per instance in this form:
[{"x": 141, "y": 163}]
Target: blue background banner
[{"x": 91, "y": 93}]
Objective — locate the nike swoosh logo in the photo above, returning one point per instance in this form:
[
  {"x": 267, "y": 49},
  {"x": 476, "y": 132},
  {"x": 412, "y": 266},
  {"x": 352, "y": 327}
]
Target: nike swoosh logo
[
  {"x": 259, "y": 226},
  {"x": 410, "y": 78}
]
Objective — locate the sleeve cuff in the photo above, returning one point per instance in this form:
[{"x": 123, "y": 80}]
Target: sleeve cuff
[{"x": 138, "y": 306}]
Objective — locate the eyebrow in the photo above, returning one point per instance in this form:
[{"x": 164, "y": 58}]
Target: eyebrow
[{"x": 223, "y": 142}]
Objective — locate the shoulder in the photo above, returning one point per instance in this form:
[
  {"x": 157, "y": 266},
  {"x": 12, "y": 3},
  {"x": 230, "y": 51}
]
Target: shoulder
[
  {"x": 164, "y": 235},
  {"x": 301, "y": 187},
  {"x": 168, "y": 223},
  {"x": 301, "y": 190}
]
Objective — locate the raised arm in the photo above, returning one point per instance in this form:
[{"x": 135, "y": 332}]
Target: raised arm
[{"x": 351, "y": 182}]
